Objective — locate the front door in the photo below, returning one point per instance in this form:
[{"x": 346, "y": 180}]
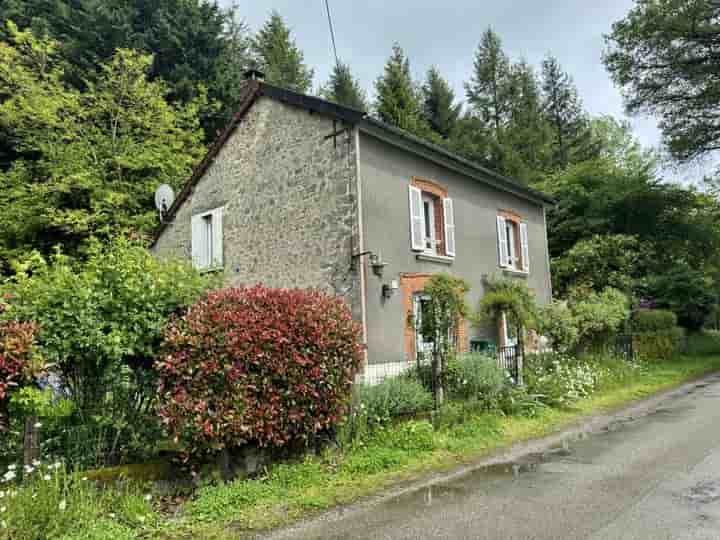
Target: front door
[{"x": 423, "y": 344}]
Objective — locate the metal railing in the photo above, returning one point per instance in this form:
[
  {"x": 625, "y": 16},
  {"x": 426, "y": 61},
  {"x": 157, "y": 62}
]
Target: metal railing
[{"x": 508, "y": 358}]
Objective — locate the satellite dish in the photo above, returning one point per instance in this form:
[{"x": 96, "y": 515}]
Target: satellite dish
[{"x": 164, "y": 197}]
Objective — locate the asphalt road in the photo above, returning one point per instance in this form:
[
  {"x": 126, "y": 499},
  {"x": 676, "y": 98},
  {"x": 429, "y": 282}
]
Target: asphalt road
[{"x": 652, "y": 475}]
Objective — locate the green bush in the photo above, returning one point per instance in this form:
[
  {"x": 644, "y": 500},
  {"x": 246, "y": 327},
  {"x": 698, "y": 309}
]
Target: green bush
[
  {"x": 653, "y": 320},
  {"x": 477, "y": 377},
  {"x": 658, "y": 345},
  {"x": 702, "y": 343},
  {"x": 396, "y": 396}
]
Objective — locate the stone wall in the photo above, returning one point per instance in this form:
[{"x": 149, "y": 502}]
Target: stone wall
[{"x": 290, "y": 214}]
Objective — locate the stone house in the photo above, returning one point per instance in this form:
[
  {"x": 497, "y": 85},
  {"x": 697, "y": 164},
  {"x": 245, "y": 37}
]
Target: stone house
[{"x": 301, "y": 192}]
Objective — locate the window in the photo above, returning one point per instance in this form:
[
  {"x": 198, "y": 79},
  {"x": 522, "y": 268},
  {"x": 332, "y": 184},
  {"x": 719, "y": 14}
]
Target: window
[
  {"x": 207, "y": 240},
  {"x": 513, "y": 249},
  {"x": 432, "y": 223}
]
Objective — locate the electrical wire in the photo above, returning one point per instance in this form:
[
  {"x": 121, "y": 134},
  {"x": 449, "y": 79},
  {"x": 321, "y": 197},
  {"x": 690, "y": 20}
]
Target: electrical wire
[{"x": 332, "y": 32}]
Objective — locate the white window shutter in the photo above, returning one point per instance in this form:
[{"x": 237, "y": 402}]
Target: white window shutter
[
  {"x": 449, "y": 212},
  {"x": 197, "y": 241},
  {"x": 417, "y": 220},
  {"x": 217, "y": 238},
  {"x": 503, "y": 249},
  {"x": 524, "y": 247}
]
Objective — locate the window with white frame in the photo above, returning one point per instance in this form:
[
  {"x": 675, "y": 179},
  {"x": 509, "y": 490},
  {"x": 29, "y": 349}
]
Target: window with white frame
[
  {"x": 513, "y": 248},
  {"x": 207, "y": 240},
  {"x": 432, "y": 223}
]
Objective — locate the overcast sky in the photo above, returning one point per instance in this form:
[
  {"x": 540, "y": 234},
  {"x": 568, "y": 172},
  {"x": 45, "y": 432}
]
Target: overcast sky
[{"x": 446, "y": 33}]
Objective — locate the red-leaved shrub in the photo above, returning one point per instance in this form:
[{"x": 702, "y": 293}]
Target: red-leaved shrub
[
  {"x": 257, "y": 365},
  {"x": 16, "y": 355}
]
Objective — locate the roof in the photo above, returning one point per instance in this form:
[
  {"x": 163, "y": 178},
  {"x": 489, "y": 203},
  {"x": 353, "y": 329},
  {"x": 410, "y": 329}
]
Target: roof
[{"x": 254, "y": 89}]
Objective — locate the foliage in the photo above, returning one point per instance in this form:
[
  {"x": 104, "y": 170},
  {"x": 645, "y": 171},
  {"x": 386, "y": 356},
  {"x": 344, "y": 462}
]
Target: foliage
[
  {"x": 392, "y": 398},
  {"x": 511, "y": 298},
  {"x": 52, "y": 502},
  {"x": 557, "y": 323},
  {"x": 344, "y": 89},
  {"x": 260, "y": 365},
  {"x": 705, "y": 342},
  {"x": 662, "y": 55},
  {"x": 476, "y": 377},
  {"x": 398, "y": 99},
  {"x": 565, "y": 114},
  {"x": 99, "y": 315},
  {"x": 653, "y": 320},
  {"x": 598, "y": 315},
  {"x": 598, "y": 262},
  {"x": 92, "y": 159},
  {"x": 439, "y": 106},
  {"x": 557, "y": 379},
  {"x": 279, "y": 58},
  {"x": 686, "y": 291},
  {"x": 658, "y": 344}
]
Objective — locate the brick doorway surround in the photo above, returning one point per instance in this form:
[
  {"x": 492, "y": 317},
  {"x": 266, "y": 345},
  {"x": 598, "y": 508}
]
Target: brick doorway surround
[{"x": 411, "y": 284}]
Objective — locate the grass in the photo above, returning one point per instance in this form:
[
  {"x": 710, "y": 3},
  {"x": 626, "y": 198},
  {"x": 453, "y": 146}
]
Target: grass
[{"x": 292, "y": 491}]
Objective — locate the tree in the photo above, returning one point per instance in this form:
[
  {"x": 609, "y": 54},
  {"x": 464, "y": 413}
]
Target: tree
[
  {"x": 487, "y": 89},
  {"x": 94, "y": 158},
  {"x": 439, "y": 106},
  {"x": 344, "y": 89},
  {"x": 277, "y": 55},
  {"x": 565, "y": 113},
  {"x": 193, "y": 43},
  {"x": 664, "y": 56},
  {"x": 526, "y": 136},
  {"x": 398, "y": 101}
]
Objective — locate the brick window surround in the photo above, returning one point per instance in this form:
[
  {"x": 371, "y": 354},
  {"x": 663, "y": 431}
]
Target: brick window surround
[
  {"x": 515, "y": 218},
  {"x": 410, "y": 285},
  {"x": 438, "y": 193}
]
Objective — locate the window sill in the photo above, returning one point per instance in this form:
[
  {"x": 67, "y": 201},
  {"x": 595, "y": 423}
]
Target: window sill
[
  {"x": 211, "y": 270},
  {"x": 513, "y": 272},
  {"x": 434, "y": 258}
]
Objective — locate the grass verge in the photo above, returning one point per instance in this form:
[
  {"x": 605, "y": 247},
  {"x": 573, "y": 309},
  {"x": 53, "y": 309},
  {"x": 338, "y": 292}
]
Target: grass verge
[{"x": 293, "y": 491}]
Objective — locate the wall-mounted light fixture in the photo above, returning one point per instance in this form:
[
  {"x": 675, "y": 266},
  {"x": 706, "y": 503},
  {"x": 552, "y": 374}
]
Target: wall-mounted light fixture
[
  {"x": 377, "y": 263},
  {"x": 389, "y": 289}
]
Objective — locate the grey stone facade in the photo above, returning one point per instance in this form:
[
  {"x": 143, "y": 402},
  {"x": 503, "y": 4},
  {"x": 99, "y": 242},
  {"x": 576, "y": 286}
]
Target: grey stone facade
[{"x": 290, "y": 214}]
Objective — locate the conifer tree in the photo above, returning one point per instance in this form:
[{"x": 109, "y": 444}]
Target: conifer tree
[
  {"x": 344, "y": 89},
  {"x": 487, "y": 89},
  {"x": 398, "y": 98},
  {"x": 565, "y": 114},
  {"x": 439, "y": 106},
  {"x": 278, "y": 56}
]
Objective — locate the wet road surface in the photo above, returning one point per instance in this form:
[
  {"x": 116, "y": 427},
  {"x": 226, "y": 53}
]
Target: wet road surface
[{"x": 653, "y": 477}]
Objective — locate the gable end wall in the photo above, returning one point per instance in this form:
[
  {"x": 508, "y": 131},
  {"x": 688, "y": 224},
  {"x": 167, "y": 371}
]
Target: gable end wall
[{"x": 290, "y": 204}]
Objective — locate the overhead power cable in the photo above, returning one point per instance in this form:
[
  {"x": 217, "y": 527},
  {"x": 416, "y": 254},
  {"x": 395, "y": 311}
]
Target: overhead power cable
[{"x": 332, "y": 31}]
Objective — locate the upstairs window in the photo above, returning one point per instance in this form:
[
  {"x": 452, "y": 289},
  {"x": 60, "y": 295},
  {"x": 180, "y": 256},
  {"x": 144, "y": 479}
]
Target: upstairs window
[
  {"x": 207, "y": 240},
  {"x": 513, "y": 249},
  {"x": 432, "y": 222}
]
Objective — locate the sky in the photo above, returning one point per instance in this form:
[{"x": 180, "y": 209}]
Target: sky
[{"x": 446, "y": 33}]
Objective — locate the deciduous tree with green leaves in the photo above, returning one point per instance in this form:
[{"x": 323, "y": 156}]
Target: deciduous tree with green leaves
[{"x": 91, "y": 160}]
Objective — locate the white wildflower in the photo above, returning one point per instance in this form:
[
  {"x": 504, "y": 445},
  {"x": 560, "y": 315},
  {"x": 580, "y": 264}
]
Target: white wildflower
[
  {"x": 8, "y": 476},
  {"x": 3, "y": 525},
  {"x": 37, "y": 425},
  {"x": 2, "y": 494},
  {"x": 63, "y": 505},
  {"x": 36, "y": 463},
  {"x": 3, "y": 509},
  {"x": 47, "y": 477},
  {"x": 12, "y": 467},
  {"x": 112, "y": 516},
  {"x": 84, "y": 478},
  {"x": 148, "y": 497}
]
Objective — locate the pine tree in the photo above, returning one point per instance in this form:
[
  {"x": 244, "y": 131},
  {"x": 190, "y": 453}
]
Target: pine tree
[
  {"x": 344, "y": 89},
  {"x": 487, "y": 90},
  {"x": 439, "y": 106},
  {"x": 526, "y": 137},
  {"x": 398, "y": 98},
  {"x": 564, "y": 111},
  {"x": 277, "y": 55}
]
